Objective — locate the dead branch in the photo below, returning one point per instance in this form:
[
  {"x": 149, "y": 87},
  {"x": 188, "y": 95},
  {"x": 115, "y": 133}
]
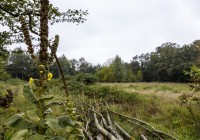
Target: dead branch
[
  {"x": 108, "y": 118},
  {"x": 110, "y": 128},
  {"x": 87, "y": 134},
  {"x": 143, "y": 137},
  {"x": 102, "y": 130},
  {"x": 165, "y": 134},
  {"x": 123, "y": 132},
  {"x": 151, "y": 132},
  {"x": 140, "y": 121}
]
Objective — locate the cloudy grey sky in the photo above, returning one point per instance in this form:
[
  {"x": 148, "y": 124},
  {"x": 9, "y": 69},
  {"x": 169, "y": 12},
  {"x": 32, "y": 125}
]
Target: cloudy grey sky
[{"x": 126, "y": 27}]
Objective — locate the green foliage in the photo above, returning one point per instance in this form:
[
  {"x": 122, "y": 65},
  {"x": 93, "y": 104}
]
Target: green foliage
[
  {"x": 139, "y": 76},
  {"x": 40, "y": 120},
  {"x": 14, "y": 81},
  {"x": 166, "y": 64},
  {"x": 105, "y": 74},
  {"x": 10, "y": 10},
  {"x": 192, "y": 100},
  {"x": 87, "y": 79},
  {"x": 111, "y": 94},
  {"x": 21, "y": 65}
]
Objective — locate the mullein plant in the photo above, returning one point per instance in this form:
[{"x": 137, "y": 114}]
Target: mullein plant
[{"x": 40, "y": 123}]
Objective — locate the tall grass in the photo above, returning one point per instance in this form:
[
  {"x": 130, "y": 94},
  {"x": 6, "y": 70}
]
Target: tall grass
[{"x": 156, "y": 103}]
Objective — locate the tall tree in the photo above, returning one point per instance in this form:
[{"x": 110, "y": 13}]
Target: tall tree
[
  {"x": 119, "y": 72},
  {"x": 21, "y": 65}
]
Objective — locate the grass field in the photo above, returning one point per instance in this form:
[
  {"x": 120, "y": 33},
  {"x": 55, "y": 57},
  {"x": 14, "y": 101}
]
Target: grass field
[
  {"x": 156, "y": 103},
  {"x": 160, "y": 106}
]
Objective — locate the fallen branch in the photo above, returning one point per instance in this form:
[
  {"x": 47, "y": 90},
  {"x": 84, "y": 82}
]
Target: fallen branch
[
  {"x": 102, "y": 130},
  {"x": 143, "y": 137},
  {"x": 123, "y": 132},
  {"x": 87, "y": 134},
  {"x": 146, "y": 129},
  {"x": 165, "y": 134},
  {"x": 142, "y": 122}
]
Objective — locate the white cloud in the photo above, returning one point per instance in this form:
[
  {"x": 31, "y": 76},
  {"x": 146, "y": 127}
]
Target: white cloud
[{"x": 126, "y": 28}]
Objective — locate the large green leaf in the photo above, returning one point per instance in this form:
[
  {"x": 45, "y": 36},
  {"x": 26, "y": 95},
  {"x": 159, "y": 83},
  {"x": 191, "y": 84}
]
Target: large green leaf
[
  {"x": 37, "y": 137},
  {"x": 28, "y": 94},
  {"x": 20, "y": 135},
  {"x": 19, "y": 122},
  {"x": 64, "y": 121},
  {"x": 52, "y": 123},
  {"x": 31, "y": 114}
]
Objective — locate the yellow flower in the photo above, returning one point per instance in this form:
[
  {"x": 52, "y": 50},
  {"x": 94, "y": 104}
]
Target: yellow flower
[
  {"x": 30, "y": 80},
  {"x": 50, "y": 75}
]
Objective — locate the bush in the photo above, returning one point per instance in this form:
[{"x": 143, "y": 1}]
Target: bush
[
  {"x": 87, "y": 78},
  {"x": 111, "y": 94},
  {"x": 14, "y": 81}
]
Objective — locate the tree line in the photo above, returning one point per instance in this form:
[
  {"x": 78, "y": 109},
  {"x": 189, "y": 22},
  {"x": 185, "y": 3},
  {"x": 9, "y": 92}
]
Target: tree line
[{"x": 166, "y": 64}]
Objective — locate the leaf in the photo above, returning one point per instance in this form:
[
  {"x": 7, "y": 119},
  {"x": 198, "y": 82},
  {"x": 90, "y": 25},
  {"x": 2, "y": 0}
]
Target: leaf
[
  {"x": 46, "y": 98},
  {"x": 64, "y": 121},
  {"x": 78, "y": 131},
  {"x": 58, "y": 138},
  {"x": 53, "y": 103},
  {"x": 19, "y": 122},
  {"x": 69, "y": 129},
  {"x": 52, "y": 123},
  {"x": 28, "y": 94},
  {"x": 37, "y": 137},
  {"x": 20, "y": 135},
  {"x": 33, "y": 116}
]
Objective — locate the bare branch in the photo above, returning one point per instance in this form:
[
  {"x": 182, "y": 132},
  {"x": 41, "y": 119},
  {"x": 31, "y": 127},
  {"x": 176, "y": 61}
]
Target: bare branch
[
  {"x": 146, "y": 129},
  {"x": 102, "y": 130},
  {"x": 143, "y": 137},
  {"x": 87, "y": 134},
  {"x": 123, "y": 132}
]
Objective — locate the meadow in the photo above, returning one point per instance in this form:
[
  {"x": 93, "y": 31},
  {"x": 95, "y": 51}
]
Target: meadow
[{"x": 158, "y": 104}]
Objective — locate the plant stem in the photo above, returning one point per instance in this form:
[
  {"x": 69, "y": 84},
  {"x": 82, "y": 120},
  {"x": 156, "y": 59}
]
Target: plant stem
[{"x": 62, "y": 75}]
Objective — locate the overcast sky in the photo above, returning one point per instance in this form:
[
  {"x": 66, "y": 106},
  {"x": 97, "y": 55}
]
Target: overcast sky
[{"x": 126, "y": 27}]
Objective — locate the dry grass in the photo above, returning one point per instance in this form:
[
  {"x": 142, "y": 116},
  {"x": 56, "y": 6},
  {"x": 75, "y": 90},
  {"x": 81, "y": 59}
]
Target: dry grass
[{"x": 167, "y": 91}]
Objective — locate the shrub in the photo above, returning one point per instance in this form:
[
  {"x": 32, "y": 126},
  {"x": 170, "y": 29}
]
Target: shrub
[
  {"x": 111, "y": 94},
  {"x": 87, "y": 78},
  {"x": 14, "y": 81}
]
